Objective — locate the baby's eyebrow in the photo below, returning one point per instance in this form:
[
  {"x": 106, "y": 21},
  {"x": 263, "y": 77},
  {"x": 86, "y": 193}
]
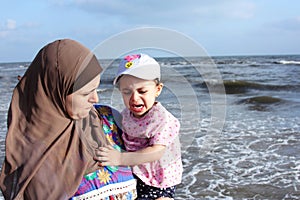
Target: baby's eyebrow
[
  {"x": 125, "y": 90},
  {"x": 139, "y": 88}
]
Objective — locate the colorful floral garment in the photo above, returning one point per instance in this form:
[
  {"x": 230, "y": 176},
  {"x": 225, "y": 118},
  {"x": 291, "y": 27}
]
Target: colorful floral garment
[{"x": 111, "y": 182}]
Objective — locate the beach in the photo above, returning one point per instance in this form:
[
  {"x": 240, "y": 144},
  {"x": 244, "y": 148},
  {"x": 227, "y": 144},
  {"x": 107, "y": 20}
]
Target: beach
[{"x": 255, "y": 155}]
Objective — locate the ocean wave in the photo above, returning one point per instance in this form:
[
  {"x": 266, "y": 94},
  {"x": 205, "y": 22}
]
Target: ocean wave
[
  {"x": 236, "y": 87},
  {"x": 239, "y": 61},
  {"x": 240, "y": 86},
  {"x": 234, "y": 62},
  {"x": 287, "y": 62},
  {"x": 261, "y": 103},
  {"x": 256, "y": 61},
  {"x": 262, "y": 100}
]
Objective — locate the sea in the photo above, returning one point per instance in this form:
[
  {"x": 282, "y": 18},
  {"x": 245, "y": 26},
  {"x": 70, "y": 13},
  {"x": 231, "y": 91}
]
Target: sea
[{"x": 240, "y": 122}]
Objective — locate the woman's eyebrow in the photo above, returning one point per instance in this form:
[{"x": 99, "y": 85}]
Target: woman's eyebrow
[{"x": 92, "y": 89}]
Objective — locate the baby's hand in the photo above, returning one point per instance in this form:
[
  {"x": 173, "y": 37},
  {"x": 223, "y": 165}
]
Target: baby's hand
[{"x": 108, "y": 156}]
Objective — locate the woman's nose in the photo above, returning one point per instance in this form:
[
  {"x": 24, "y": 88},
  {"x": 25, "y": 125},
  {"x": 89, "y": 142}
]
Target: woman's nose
[{"x": 94, "y": 97}]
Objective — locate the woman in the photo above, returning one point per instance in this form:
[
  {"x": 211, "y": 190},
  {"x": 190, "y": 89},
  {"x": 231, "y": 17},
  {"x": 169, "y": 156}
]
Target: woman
[{"x": 53, "y": 128}]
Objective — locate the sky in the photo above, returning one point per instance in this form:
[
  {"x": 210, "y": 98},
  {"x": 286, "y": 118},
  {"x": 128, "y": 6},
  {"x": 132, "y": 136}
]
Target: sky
[{"x": 221, "y": 27}]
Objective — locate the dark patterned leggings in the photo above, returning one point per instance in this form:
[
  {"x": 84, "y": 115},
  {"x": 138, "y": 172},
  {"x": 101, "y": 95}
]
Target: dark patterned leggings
[{"x": 146, "y": 192}]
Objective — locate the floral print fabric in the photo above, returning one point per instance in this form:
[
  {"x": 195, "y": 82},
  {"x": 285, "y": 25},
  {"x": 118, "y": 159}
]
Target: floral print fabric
[{"x": 109, "y": 182}]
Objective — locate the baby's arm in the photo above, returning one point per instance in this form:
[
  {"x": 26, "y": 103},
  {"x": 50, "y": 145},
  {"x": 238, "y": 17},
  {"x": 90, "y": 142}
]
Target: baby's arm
[{"x": 112, "y": 157}]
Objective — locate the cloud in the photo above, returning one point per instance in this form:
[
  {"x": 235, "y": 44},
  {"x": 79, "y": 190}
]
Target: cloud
[
  {"x": 3, "y": 34},
  {"x": 241, "y": 9},
  {"x": 291, "y": 24},
  {"x": 163, "y": 12},
  {"x": 8, "y": 27},
  {"x": 31, "y": 25},
  {"x": 11, "y": 24}
]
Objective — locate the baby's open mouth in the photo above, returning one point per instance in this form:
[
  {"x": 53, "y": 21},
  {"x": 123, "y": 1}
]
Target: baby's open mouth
[{"x": 137, "y": 107}]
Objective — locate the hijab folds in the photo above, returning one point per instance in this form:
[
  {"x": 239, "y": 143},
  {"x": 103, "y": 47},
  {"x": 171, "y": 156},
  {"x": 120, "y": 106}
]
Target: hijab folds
[{"x": 47, "y": 152}]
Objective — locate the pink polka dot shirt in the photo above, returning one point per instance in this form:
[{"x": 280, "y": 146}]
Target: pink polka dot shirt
[{"x": 158, "y": 126}]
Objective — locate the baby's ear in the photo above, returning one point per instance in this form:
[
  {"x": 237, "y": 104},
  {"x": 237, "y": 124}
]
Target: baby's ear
[{"x": 159, "y": 88}]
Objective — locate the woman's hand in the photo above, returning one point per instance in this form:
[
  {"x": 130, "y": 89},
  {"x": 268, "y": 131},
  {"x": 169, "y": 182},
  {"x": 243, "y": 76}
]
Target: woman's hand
[{"x": 108, "y": 156}]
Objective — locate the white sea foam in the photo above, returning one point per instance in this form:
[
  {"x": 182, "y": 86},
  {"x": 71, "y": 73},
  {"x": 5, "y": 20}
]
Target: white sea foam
[{"x": 289, "y": 62}]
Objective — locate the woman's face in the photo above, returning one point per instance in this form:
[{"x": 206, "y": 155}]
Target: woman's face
[{"x": 79, "y": 103}]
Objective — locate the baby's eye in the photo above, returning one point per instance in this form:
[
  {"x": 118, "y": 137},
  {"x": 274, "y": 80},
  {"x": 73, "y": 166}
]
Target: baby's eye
[
  {"x": 126, "y": 92},
  {"x": 143, "y": 91}
]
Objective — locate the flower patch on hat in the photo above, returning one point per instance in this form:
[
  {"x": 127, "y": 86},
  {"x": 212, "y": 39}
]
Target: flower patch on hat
[{"x": 131, "y": 60}]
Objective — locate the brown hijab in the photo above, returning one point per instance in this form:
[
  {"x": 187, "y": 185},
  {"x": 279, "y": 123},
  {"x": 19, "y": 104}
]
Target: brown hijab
[{"x": 47, "y": 152}]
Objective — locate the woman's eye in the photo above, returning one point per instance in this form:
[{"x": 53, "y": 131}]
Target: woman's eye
[{"x": 85, "y": 94}]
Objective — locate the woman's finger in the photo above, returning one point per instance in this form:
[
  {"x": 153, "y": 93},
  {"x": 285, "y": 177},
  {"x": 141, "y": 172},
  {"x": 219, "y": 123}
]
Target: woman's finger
[
  {"x": 104, "y": 163},
  {"x": 101, "y": 152},
  {"x": 101, "y": 157}
]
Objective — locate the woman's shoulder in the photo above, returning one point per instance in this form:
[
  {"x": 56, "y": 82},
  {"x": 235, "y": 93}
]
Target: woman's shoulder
[{"x": 106, "y": 111}]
